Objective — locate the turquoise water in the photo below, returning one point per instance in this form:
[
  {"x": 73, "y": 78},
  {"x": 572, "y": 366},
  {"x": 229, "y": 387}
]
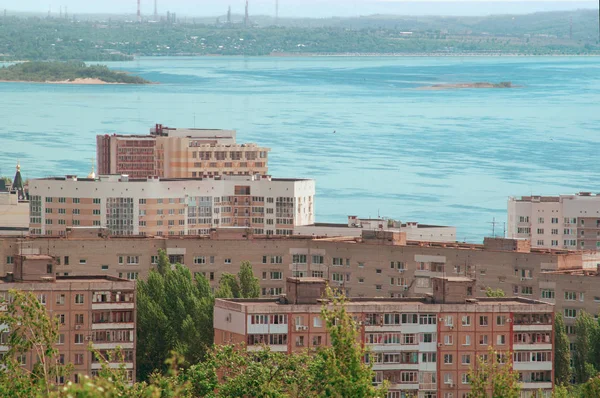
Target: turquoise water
[{"x": 447, "y": 157}]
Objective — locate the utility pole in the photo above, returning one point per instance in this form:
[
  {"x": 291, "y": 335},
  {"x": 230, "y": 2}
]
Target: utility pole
[
  {"x": 494, "y": 222},
  {"x": 229, "y": 15}
]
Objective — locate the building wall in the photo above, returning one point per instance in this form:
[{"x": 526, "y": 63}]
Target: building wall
[
  {"x": 75, "y": 304},
  {"x": 13, "y": 214},
  {"x": 451, "y": 337},
  {"x": 565, "y": 221},
  {"x": 170, "y": 207},
  {"x": 179, "y": 153}
]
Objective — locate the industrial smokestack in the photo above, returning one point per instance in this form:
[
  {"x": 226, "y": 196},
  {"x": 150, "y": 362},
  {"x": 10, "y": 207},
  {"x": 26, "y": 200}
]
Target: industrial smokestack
[
  {"x": 156, "y": 10},
  {"x": 247, "y": 20},
  {"x": 277, "y": 12},
  {"x": 139, "y": 11}
]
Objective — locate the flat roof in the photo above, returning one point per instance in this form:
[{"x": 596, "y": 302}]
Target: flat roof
[{"x": 375, "y": 301}]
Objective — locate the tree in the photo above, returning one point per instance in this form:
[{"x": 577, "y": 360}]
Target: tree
[
  {"x": 489, "y": 292},
  {"x": 31, "y": 331},
  {"x": 341, "y": 369},
  {"x": 7, "y": 180},
  {"x": 249, "y": 284},
  {"x": 562, "y": 352},
  {"x": 163, "y": 264},
  {"x": 244, "y": 285},
  {"x": 174, "y": 313},
  {"x": 494, "y": 374},
  {"x": 585, "y": 328},
  {"x": 229, "y": 287}
]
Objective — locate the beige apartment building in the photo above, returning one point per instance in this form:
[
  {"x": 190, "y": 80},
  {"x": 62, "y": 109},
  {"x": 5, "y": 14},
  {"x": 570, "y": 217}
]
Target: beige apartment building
[
  {"x": 170, "y": 207},
  {"x": 423, "y": 346},
  {"x": 179, "y": 153},
  {"x": 565, "y": 221},
  {"x": 91, "y": 308},
  {"x": 373, "y": 265}
]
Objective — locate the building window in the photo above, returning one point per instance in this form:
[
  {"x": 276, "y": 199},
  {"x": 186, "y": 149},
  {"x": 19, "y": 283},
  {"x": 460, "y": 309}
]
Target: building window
[
  {"x": 466, "y": 359},
  {"x": 79, "y": 299},
  {"x": 61, "y": 339},
  {"x": 547, "y": 294},
  {"x": 82, "y": 261},
  {"x": 78, "y": 338},
  {"x": 500, "y": 339},
  {"x": 317, "y": 322},
  {"x": 199, "y": 260},
  {"x": 448, "y": 339},
  {"x": 483, "y": 339},
  {"x": 467, "y": 340},
  {"x": 60, "y": 299},
  {"x": 78, "y": 357},
  {"x": 466, "y": 320},
  {"x": 104, "y": 267},
  {"x": 483, "y": 321},
  {"x": 570, "y": 313},
  {"x": 500, "y": 320},
  {"x": 448, "y": 359},
  {"x": 227, "y": 261}
]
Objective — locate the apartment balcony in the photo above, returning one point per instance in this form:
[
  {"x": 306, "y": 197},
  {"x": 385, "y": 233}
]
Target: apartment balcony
[
  {"x": 404, "y": 386},
  {"x": 281, "y": 328},
  {"x": 532, "y": 346},
  {"x": 272, "y": 347},
  {"x": 536, "y": 385},
  {"x": 114, "y": 365},
  {"x": 532, "y": 327},
  {"x": 395, "y": 366},
  {"x": 113, "y": 306},
  {"x": 427, "y": 386},
  {"x": 112, "y": 345},
  {"x": 532, "y": 366},
  {"x": 112, "y": 325},
  {"x": 393, "y": 347}
]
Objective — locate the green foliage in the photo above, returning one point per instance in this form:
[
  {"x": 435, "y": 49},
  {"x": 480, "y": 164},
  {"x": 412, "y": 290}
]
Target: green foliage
[
  {"x": 489, "y": 292},
  {"x": 562, "y": 352},
  {"x": 341, "y": 368},
  {"x": 244, "y": 285},
  {"x": 64, "y": 71},
  {"x": 586, "y": 329},
  {"x": 174, "y": 313},
  {"x": 249, "y": 284},
  {"x": 31, "y": 330},
  {"x": 495, "y": 376}
]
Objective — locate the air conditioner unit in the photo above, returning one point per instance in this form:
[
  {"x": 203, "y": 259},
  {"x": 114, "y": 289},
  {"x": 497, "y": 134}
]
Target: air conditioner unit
[
  {"x": 441, "y": 319},
  {"x": 77, "y": 327},
  {"x": 301, "y": 327},
  {"x": 509, "y": 320},
  {"x": 439, "y": 344},
  {"x": 88, "y": 338}
]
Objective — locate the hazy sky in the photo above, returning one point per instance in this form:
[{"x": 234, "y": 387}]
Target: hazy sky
[{"x": 302, "y": 8}]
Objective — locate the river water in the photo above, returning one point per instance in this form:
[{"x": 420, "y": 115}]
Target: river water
[{"x": 374, "y": 142}]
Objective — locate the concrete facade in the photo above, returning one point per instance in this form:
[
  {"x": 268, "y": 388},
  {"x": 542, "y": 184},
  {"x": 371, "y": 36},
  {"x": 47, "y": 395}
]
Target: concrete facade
[
  {"x": 179, "y": 153},
  {"x": 565, "y": 221},
  {"x": 420, "y": 346},
  {"x": 96, "y": 309},
  {"x": 269, "y": 206},
  {"x": 14, "y": 214}
]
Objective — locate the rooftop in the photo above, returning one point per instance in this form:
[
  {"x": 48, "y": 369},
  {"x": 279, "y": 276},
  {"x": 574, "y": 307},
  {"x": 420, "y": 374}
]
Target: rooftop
[{"x": 375, "y": 301}]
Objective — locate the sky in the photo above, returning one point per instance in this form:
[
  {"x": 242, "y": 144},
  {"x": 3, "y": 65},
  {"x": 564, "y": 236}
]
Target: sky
[{"x": 302, "y": 8}]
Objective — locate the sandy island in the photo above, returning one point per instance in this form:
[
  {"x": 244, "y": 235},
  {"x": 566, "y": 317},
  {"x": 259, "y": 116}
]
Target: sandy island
[
  {"x": 84, "y": 81},
  {"x": 450, "y": 86}
]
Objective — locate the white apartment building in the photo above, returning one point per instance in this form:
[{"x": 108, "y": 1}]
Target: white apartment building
[
  {"x": 155, "y": 207},
  {"x": 557, "y": 222},
  {"x": 414, "y": 231}
]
